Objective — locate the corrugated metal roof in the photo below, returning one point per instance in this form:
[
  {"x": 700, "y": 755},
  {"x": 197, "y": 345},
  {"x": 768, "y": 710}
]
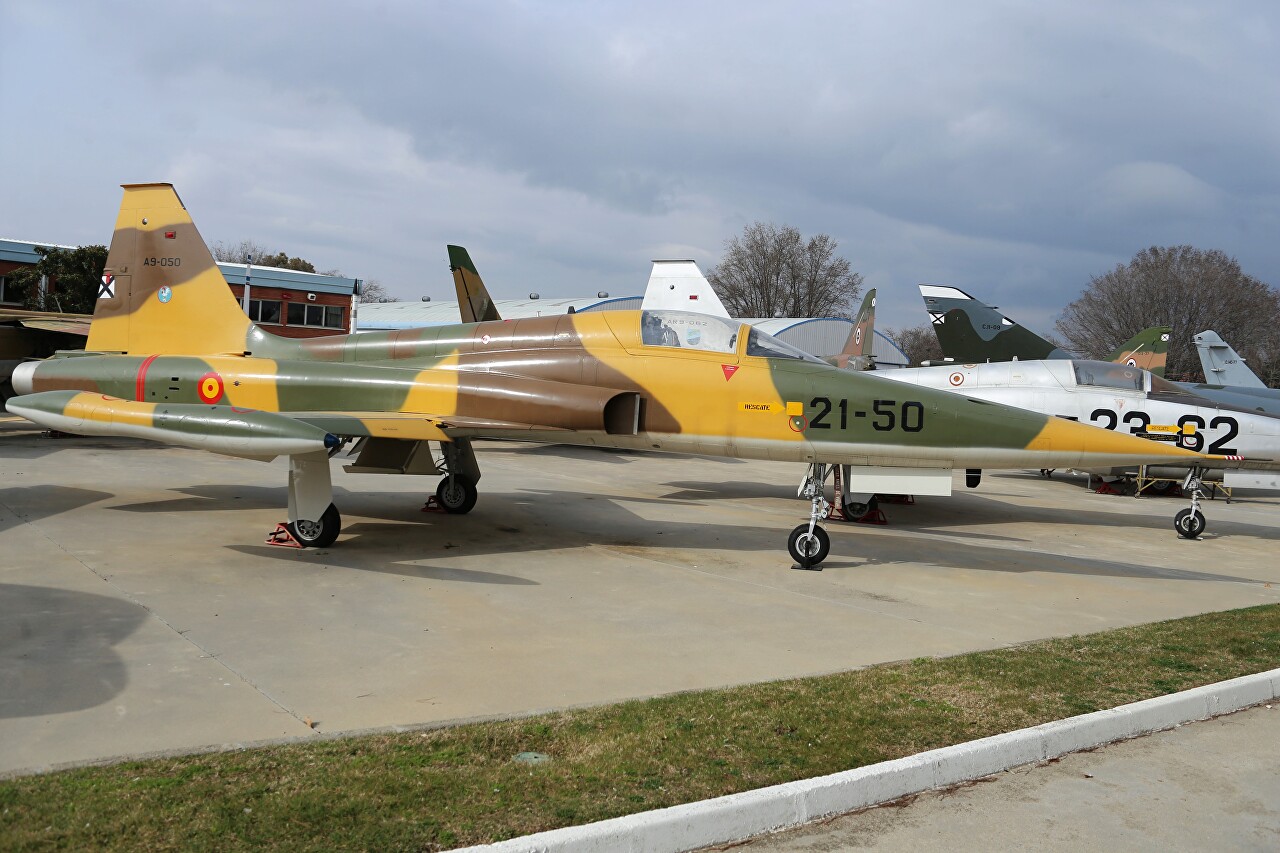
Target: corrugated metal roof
[
  {"x": 24, "y": 251},
  {"x": 406, "y": 315},
  {"x": 289, "y": 279},
  {"x": 820, "y": 336}
]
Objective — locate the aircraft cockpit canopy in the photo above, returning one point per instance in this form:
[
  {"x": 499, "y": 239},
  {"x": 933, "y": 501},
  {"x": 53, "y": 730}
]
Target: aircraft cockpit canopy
[
  {"x": 689, "y": 330},
  {"x": 1104, "y": 374},
  {"x": 711, "y": 334},
  {"x": 1165, "y": 387},
  {"x": 767, "y": 346}
]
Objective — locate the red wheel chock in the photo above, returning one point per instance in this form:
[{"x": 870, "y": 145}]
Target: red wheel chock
[
  {"x": 1106, "y": 489},
  {"x": 282, "y": 537},
  {"x": 872, "y": 516},
  {"x": 432, "y": 505}
]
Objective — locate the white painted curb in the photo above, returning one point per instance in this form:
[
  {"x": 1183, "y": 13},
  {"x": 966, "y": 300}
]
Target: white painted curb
[{"x": 740, "y": 816}]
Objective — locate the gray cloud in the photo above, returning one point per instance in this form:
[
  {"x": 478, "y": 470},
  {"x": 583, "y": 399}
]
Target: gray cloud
[{"x": 1008, "y": 148}]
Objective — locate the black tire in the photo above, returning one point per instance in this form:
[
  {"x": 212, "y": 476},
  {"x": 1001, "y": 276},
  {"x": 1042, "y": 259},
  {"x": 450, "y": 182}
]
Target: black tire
[
  {"x": 456, "y": 495},
  {"x": 1189, "y": 524},
  {"x": 317, "y": 534},
  {"x": 1159, "y": 487},
  {"x": 808, "y": 551},
  {"x": 855, "y": 511}
]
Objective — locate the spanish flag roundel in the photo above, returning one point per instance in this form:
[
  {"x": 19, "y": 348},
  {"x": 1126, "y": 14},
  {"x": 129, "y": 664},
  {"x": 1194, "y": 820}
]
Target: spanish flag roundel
[{"x": 210, "y": 388}]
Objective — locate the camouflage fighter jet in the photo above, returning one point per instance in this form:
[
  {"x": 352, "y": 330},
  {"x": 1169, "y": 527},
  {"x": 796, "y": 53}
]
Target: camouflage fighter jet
[
  {"x": 171, "y": 357},
  {"x": 1149, "y": 350},
  {"x": 856, "y": 354},
  {"x": 971, "y": 331},
  {"x": 964, "y": 312}
]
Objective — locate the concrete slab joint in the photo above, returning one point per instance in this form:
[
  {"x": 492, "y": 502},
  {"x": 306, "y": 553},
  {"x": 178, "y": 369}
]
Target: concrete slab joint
[{"x": 740, "y": 816}]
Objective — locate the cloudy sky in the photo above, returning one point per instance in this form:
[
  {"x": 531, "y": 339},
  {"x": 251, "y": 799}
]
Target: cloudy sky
[{"x": 1010, "y": 148}]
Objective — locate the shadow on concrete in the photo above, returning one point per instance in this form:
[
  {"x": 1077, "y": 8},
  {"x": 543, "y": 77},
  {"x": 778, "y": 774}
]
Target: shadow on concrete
[
  {"x": 543, "y": 522},
  {"x": 32, "y": 503},
  {"x": 215, "y": 497},
  {"x": 364, "y": 560},
  {"x": 974, "y": 508},
  {"x": 21, "y": 439},
  {"x": 56, "y": 650},
  {"x": 887, "y": 549}
]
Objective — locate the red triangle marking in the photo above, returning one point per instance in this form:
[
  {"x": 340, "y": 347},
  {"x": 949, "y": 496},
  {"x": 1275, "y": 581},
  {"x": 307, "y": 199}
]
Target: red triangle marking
[{"x": 729, "y": 370}]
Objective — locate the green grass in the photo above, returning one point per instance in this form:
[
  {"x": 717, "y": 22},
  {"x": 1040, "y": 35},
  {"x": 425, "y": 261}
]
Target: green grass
[{"x": 448, "y": 787}]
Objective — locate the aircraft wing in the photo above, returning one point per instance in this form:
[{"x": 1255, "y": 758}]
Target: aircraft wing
[
  {"x": 48, "y": 321},
  {"x": 218, "y": 428},
  {"x": 236, "y": 431},
  {"x": 69, "y": 327}
]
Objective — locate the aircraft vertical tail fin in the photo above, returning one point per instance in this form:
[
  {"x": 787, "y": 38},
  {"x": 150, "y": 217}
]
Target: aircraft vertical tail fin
[
  {"x": 681, "y": 286},
  {"x": 971, "y": 331},
  {"x": 161, "y": 290},
  {"x": 1149, "y": 350},
  {"x": 857, "y": 352},
  {"x": 474, "y": 302},
  {"x": 1222, "y": 366}
]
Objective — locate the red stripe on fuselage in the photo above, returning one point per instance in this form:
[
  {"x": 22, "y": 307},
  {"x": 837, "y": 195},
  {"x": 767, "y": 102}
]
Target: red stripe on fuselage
[{"x": 142, "y": 377}]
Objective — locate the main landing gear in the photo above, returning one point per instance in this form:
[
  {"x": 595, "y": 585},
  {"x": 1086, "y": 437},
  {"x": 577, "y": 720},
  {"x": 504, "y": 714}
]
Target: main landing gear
[
  {"x": 456, "y": 494},
  {"x": 809, "y": 544},
  {"x": 317, "y": 534},
  {"x": 1190, "y": 522},
  {"x": 314, "y": 521}
]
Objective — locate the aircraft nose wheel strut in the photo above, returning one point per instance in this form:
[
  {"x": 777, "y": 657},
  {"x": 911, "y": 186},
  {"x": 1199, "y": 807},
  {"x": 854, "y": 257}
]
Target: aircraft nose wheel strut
[
  {"x": 1190, "y": 522},
  {"x": 809, "y": 544}
]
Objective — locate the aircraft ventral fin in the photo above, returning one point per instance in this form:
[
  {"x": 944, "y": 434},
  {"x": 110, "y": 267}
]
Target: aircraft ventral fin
[{"x": 407, "y": 425}]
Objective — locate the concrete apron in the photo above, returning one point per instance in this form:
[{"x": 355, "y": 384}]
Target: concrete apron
[{"x": 741, "y": 816}]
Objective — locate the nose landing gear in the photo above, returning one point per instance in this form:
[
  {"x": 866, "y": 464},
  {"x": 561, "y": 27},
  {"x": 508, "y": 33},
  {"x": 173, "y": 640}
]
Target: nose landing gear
[
  {"x": 1190, "y": 522},
  {"x": 809, "y": 544}
]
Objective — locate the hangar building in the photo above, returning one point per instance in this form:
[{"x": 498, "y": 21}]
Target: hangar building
[
  {"x": 287, "y": 302},
  {"x": 818, "y": 335}
]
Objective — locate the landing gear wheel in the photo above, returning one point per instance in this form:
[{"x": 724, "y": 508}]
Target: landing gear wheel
[
  {"x": 456, "y": 495},
  {"x": 1189, "y": 523},
  {"x": 317, "y": 534},
  {"x": 808, "y": 549}
]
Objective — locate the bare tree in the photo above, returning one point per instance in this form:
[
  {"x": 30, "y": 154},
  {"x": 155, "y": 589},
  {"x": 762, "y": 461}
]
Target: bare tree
[
  {"x": 1183, "y": 287},
  {"x": 918, "y": 342},
  {"x": 772, "y": 271},
  {"x": 259, "y": 255},
  {"x": 235, "y": 253},
  {"x": 374, "y": 291}
]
